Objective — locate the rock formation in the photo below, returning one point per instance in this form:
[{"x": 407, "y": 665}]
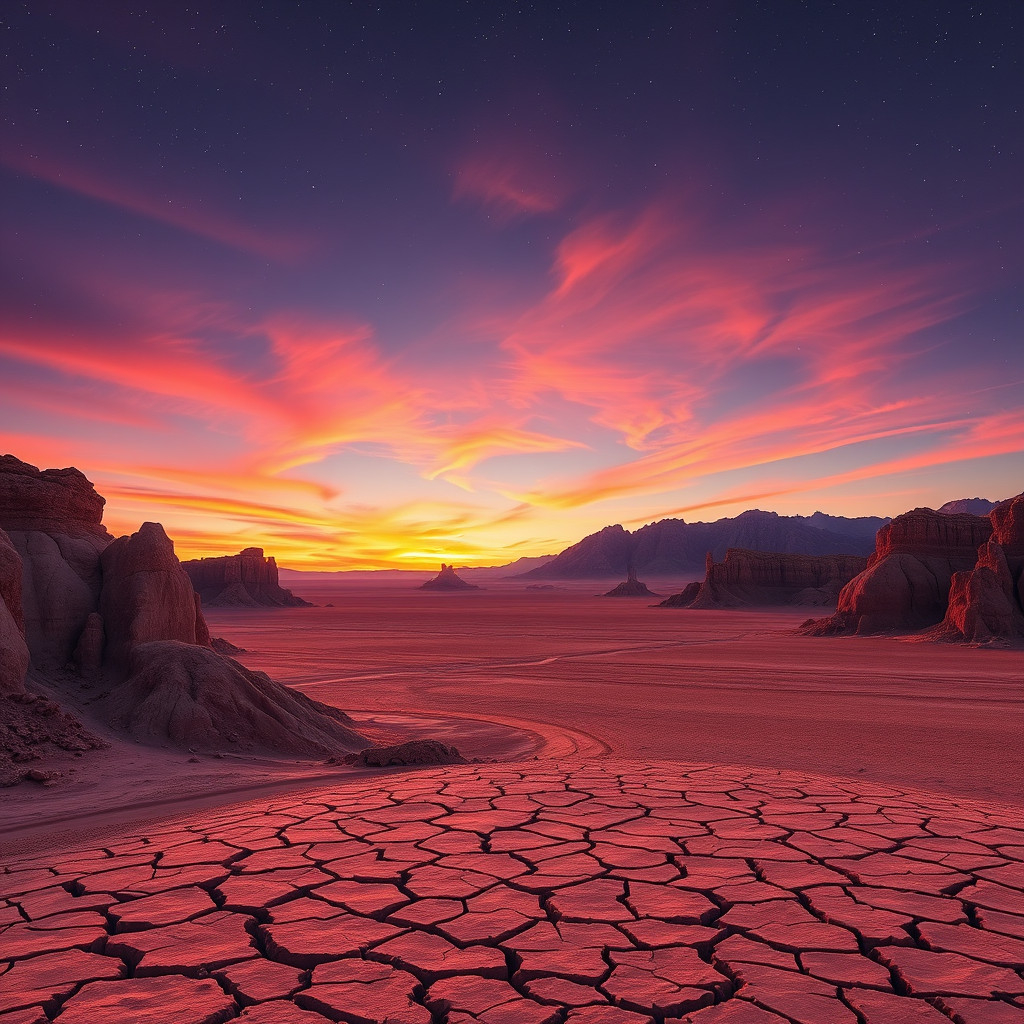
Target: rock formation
[
  {"x": 631, "y": 587},
  {"x": 684, "y": 598},
  {"x": 193, "y": 697},
  {"x": 78, "y": 608},
  {"x": 906, "y": 585},
  {"x": 759, "y": 578},
  {"x": 672, "y": 547},
  {"x": 987, "y": 602},
  {"x": 448, "y": 579},
  {"x": 54, "y": 521},
  {"x": 410, "y": 752},
  {"x": 147, "y": 595},
  {"x": 13, "y": 648},
  {"x": 245, "y": 580}
]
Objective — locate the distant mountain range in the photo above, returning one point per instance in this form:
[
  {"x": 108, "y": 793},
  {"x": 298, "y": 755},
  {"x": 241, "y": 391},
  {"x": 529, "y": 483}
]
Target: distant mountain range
[
  {"x": 973, "y": 506},
  {"x": 672, "y": 547}
]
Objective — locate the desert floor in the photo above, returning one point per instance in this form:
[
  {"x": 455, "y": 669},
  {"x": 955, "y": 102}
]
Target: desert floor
[
  {"x": 619, "y": 677},
  {"x": 678, "y": 818}
]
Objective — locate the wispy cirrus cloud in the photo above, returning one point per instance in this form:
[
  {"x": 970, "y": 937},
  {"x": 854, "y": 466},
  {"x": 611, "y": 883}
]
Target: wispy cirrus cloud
[
  {"x": 512, "y": 179},
  {"x": 162, "y": 203}
]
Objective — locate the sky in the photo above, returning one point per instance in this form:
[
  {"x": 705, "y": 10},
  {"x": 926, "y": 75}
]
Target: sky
[{"x": 381, "y": 286}]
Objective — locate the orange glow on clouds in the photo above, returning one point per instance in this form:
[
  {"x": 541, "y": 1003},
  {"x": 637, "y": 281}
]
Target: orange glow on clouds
[{"x": 668, "y": 368}]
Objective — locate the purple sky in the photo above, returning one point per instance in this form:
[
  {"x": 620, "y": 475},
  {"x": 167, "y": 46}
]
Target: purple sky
[{"x": 465, "y": 281}]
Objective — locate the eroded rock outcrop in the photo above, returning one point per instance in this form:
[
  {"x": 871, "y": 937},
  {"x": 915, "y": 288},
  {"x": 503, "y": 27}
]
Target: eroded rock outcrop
[
  {"x": 78, "y": 607},
  {"x": 54, "y": 520},
  {"x": 956, "y": 574},
  {"x": 448, "y": 579},
  {"x": 987, "y": 602},
  {"x": 191, "y": 696},
  {"x": 146, "y": 595},
  {"x": 245, "y": 580},
  {"x": 631, "y": 587},
  {"x": 762, "y": 578},
  {"x": 13, "y": 648}
]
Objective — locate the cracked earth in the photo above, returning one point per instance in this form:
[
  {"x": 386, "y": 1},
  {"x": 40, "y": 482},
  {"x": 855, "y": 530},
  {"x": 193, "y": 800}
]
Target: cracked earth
[{"x": 611, "y": 892}]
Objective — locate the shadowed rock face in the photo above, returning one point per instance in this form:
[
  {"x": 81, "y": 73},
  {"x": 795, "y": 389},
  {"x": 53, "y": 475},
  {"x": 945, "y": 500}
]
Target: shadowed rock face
[
  {"x": 987, "y": 602},
  {"x": 147, "y": 595},
  {"x": 959, "y": 573},
  {"x": 53, "y": 518},
  {"x": 448, "y": 579},
  {"x": 684, "y": 598},
  {"x": 245, "y": 580},
  {"x": 752, "y": 578},
  {"x": 13, "y": 649},
  {"x": 191, "y": 696}
]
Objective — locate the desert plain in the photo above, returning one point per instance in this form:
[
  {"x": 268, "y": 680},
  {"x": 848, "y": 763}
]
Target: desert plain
[{"x": 668, "y": 815}]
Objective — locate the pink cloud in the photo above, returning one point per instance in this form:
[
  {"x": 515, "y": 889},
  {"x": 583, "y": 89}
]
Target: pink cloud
[{"x": 166, "y": 206}]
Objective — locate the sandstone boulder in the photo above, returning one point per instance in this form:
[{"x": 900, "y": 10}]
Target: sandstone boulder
[
  {"x": 410, "y": 752},
  {"x": 147, "y": 595},
  {"x": 190, "y": 696},
  {"x": 246, "y": 580}
]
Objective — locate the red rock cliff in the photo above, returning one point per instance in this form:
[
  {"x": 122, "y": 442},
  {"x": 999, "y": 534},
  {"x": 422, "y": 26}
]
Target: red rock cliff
[
  {"x": 245, "y": 580},
  {"x": 770, "y": 578}
]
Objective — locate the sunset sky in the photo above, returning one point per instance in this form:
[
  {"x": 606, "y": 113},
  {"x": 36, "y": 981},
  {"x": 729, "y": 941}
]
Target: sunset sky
[{"x": 377, "y": 287}]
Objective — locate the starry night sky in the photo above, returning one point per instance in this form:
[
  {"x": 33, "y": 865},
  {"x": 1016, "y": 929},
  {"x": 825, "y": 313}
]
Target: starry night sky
[{"x": 381, "y": 285}]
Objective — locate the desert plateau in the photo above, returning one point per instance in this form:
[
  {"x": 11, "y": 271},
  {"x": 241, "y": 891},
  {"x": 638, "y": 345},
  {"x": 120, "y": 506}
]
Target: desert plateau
[{"x": 511, "y": 513}]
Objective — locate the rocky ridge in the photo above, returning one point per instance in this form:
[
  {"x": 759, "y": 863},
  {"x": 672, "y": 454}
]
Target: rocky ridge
[{"x": 672, "y": 547}]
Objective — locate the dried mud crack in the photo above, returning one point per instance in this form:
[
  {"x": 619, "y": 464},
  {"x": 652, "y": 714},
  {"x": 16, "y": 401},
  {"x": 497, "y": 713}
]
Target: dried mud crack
[{"x": 617, "y": 892}]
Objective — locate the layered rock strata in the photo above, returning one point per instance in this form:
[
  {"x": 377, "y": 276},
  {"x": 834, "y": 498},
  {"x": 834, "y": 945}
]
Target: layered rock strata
[
  {"x": 987, "y": 602},
  {"x": 245, "y": 580},
  {"x": 959, "y": 576},
  {"x": 758, "y": 578}
]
